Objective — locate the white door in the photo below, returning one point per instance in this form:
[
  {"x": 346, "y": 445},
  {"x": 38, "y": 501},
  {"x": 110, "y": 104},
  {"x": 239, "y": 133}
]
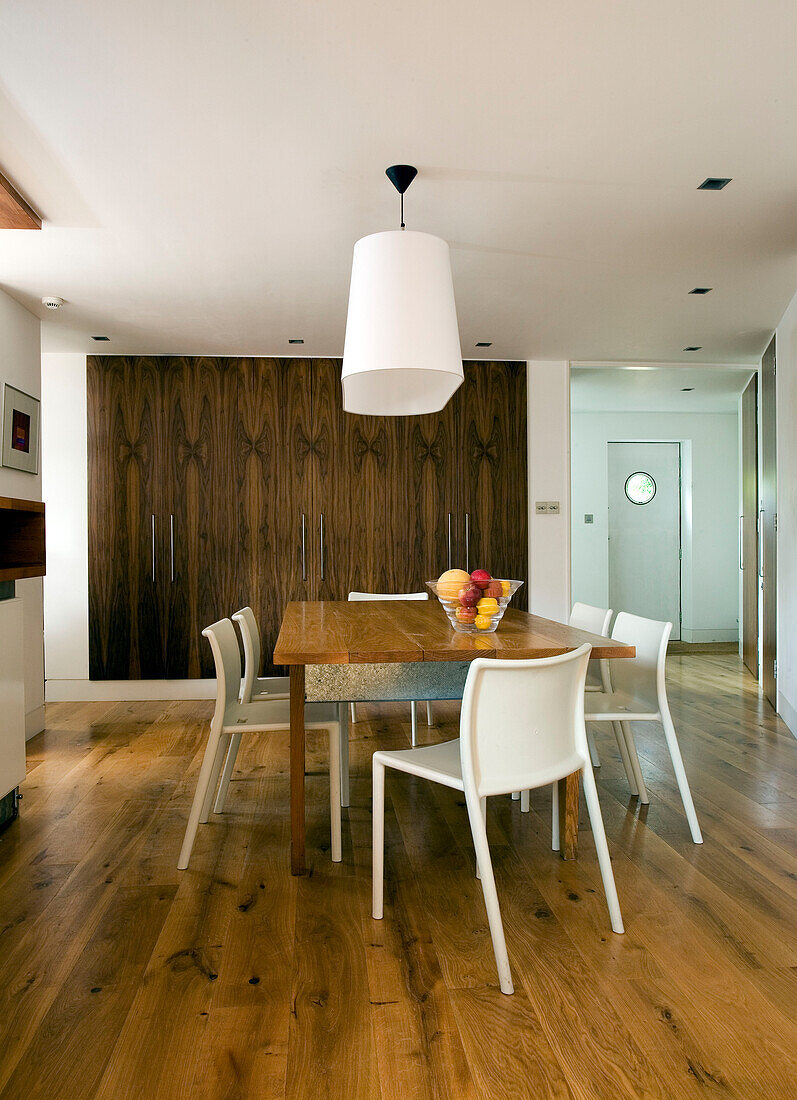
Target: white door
[{"x": 645, "y": 530}]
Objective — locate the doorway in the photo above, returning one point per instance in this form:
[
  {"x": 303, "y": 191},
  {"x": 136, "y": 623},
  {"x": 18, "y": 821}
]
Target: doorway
[{"x": 645, "y": 530}]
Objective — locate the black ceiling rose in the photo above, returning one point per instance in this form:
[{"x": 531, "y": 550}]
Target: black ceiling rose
[{"x": 401, "y": 176}]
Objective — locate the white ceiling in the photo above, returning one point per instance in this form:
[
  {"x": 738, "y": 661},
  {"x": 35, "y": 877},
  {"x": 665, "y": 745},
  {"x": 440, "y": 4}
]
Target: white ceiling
[
  {"x": 205, "y": 167},
  {"x": 657, "y": 389}
]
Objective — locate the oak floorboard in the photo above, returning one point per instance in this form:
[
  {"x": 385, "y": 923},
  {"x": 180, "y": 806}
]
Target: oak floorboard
[{"x": 234, "y": 979}]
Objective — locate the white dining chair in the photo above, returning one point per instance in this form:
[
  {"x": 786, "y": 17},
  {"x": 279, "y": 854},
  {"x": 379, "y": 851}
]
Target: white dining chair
[
  {"x": 366, "y": 596},
  {"x": 639, "y": 694},
  {"x": 520, "y": 720},
  {"x": 254, "y": 688},
  {"x": 233, "y": 718},
  {"x": 595, "y": 620}
]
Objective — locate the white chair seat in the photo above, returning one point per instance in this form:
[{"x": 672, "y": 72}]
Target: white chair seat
[
  {"x": 275, "y": 714},
  {"x": 441, "y": 763},
  {"x": 619, "y": 706}
]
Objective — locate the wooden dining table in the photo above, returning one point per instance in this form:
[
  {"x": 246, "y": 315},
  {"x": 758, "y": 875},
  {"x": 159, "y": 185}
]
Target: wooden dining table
[{"x": 417, "y": 636}]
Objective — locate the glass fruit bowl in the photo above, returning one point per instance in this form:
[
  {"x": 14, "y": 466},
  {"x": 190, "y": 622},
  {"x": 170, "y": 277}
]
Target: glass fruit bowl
[{"x": 485, "y": 615}]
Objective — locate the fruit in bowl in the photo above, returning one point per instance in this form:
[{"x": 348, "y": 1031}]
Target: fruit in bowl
[{"x": 474, "y": 602}]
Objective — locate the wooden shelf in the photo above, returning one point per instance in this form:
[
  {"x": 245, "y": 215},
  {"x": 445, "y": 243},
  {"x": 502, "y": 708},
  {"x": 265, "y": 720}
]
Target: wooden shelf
[{"x": 22, "y": 550}]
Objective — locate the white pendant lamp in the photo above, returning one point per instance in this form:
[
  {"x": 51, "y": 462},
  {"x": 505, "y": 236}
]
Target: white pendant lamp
[{"x": 402, "y": 355}]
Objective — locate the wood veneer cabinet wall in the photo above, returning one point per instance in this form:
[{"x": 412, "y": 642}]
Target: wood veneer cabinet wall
[{"x": 216, "y": 482}]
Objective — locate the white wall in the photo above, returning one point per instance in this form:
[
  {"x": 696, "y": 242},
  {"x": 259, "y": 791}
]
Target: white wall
[
  {"x": 710, "y": 498},
  {"x": 548, "y": 389},
  {"x": 786, "y": 378},
  {"x": 20, "y": 366}
]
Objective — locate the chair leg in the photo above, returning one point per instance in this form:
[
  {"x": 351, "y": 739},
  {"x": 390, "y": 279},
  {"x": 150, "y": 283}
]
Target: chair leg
[
  {"x": 525, "y": 802},
  {"x": 680, "y": 774},
  {"x": 555, "y": 843},
  {"x": 343, "y": 718},
  {"x": 353, "y": 711},
  {"x": 335, "y": 736},
  {"x": 378, "y": 814},
  {"x": 483, "y": 808},
  {"x": 202, "y": 785},
  {"x": 602, "y": 848},
  {"x": 210, "y": 793},
  {"x": 414, "y": 737},
  {"x": 226, "y": 775},
  {"x": 479, "y": 833},
  {"x": 430, "y": 721},
  {"x": 593, "y": 749},
  {"x": 633, "y": 756},
  {"x": 621, "y": 745},
  {"x": 515, "y": 795}
]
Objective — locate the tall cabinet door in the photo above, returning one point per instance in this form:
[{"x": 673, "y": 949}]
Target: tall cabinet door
[
  {"x": 423, "y": 499},
  {"x": 352, "y": 535},
  {"x": 490, "y": 412},
  {"x": 275, "y": 496},
  {"x": 201, "y": 515},
  {"x": 125, "y": 506}
]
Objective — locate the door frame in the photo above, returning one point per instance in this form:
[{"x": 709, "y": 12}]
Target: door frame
[{"x": 656, "y": 442}]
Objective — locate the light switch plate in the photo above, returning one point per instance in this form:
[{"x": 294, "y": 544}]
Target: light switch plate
[
  {"x": 547, "y": 507},
  {"x": 589, "y": 517}
]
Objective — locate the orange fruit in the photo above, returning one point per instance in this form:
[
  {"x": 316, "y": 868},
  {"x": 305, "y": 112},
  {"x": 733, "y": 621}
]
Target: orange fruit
[
  {"x": 483, "y": 621},
  {"x": 450, "y": 582}
]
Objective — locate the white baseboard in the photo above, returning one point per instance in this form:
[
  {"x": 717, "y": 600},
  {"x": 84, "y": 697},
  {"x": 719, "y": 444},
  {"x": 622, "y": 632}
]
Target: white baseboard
[
  {"x": 787, "y": 713},
  {"x": 34, "y": 722},
  {"x": 712, "y": 635},
  {"x": 108, "y": 691}
]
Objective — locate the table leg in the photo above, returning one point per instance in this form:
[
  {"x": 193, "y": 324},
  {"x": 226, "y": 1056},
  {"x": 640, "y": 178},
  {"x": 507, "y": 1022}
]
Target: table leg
[
  {"x": 568, "y": 816},
  {"x": 297, "y": 769}
]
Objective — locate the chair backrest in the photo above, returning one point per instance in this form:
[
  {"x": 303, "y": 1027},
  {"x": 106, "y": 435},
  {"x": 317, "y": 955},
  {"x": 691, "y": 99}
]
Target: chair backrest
[
  {"x": 522, "y": 722},
  {"x": 250, "y": 635},
  {"x": 593, "y": 619},
  {"x": 642, "y": 675},
  {"x": 364, "y": 596},
  {"x": 227, "y": 657}
]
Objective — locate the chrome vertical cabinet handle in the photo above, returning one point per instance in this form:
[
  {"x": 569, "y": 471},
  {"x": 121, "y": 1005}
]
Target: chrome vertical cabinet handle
[
  {"x": 171, "y": 546},
  {"x": 761, "y": 543},
  {"x": 467, "y": 542},
  {"x": 449, "y": 540},
  {"x": 153, "y": 549},
  {"x": 322, "y": 546},
  {"x": 304, "y": 549}
]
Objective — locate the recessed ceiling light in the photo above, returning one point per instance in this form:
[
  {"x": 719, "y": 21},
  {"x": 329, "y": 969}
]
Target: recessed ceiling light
[
  {"x": 100, "y": 337},
  {"x": 295, "y": 341},
  {"x": 694, "y": 347},
  {"x": 701, "y": 290},
  {"x": 484, "y": 344},
  {"x": 714, "y": 183},
  {"x": 687, "y": 389}
]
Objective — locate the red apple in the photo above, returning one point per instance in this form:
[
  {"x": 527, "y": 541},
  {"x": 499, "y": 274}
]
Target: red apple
[
  {"x": 466, "y": 614},
  {"x": 494, "y": 588},
  {"x": 469, "y": 595},
  {"x": 481, "y": 578}
]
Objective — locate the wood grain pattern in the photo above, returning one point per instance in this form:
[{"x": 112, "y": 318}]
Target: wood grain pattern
[
  {"x": 125, "y": 489},
  {"x": 327, "y": 632},
  {"x": 699, "y": 998},
  {"x": 15, "y": 213},
  {"x": 490, "y": 412},
  {"x": 201, "y": 582},
  {"x": 22, "y": 539},
  {"x": 275, "y": 471},
  {"x": 229, "y": 455}
]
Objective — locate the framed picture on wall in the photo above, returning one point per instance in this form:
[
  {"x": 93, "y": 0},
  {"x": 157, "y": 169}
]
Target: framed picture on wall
[{"x": 20, "y": 430}]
